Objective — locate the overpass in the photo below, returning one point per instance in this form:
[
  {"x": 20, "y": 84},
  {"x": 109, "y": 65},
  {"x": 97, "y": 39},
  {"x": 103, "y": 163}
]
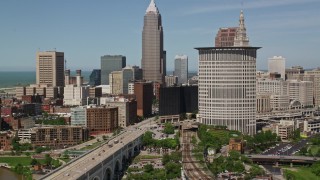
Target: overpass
[
  {"x": 106, "y": 162},
  {"x": 283, "y": 159}
]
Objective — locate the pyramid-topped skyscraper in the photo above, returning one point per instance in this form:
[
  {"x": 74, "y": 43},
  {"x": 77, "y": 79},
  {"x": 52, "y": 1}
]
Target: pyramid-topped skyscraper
[{"x": 153, "y": 56}]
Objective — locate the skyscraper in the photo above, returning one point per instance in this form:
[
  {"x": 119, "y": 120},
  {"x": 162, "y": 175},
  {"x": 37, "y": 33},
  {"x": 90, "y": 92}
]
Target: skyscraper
[
  {"x": 50, "y": 68},
  {"x": 227, "y": 84},
  {"x": 153, "y": 56},
  {"x": 277, "y": 64},
  {"x": 241, "y": 38},
  {"x": 225, "y": 37},
  {"x": 111, "y": 63},
  {"x": 95, "y": 77},
  {"x": 181, "y": 68}
]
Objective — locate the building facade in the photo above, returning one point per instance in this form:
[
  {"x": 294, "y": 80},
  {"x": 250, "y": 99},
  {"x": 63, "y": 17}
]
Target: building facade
[
  {"x": 225, "y": 37},
  {"x": 144, "y": 96},
  {"x": 95, "y": 77},
  {"x": 277, "y": 64},
  {"x": 58, "y": 136},
  {"x": 171, "y": 80},
  {"x": 50, "y": 68},
  {"x": 101, "y": 120},
  {"x": 153, "y": 56},
  {"x": 79, "y": 116},
  {"x": 181, "y": 68},
  {"x": 111, "y": 63}
]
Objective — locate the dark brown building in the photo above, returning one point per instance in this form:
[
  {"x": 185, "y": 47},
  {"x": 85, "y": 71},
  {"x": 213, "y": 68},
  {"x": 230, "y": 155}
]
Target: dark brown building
[
  {"x": 58, "y": 136},
  {"x": 101, "y": 120},
  {"x": 144, "y": 96},
  {"x": 225, "y": 37},
  {"x": 5, "y": 142}
]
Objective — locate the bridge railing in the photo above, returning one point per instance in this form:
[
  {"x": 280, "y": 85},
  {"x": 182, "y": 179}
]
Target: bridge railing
[{"x": 81, "y": 156}]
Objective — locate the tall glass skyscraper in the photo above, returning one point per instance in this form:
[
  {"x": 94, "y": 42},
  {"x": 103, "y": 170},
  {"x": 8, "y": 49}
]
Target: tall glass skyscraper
[
  {"x": 111, "y": 63},
  {"x": 153, "y": 57},
  {"x": 181, "y": 68}
]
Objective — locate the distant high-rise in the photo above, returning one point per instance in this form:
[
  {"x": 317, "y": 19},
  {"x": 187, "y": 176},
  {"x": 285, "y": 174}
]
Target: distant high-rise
[
  {"x": 225, "y": 37},
  {"x": 95, "y": 77},
  {"x": 50, "y": 68},
  {"x": 153, "y": 56},
  {"x": 111, "y": 63},
  {"x": 277, "y": 64},
  {"x": 227, "y": 84},
  {"x": 181, "y": 68}
]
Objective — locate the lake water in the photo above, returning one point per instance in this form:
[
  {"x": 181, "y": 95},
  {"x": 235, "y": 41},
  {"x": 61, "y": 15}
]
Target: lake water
[{"x": 6, "y": 174}]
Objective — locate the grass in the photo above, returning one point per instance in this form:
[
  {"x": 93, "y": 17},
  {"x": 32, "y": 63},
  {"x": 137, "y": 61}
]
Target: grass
[
  {"x": 140, "y": 157},
  {"x": 13, "y": 161},
  {"x": 302, "y": 173}
]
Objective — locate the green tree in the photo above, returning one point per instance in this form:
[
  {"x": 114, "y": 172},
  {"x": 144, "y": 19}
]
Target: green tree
[
  {"x": 34, "y": 162},
  {"x": 168, "y": 128},
  {"x": 148, "y": 168},
  {"x": 173, "y": 170},
  {"x": 147, "y": 139},
  {"x": 47, "y": 159}
]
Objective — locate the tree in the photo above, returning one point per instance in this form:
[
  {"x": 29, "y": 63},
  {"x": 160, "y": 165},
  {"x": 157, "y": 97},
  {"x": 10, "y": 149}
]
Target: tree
[
  {"x": 147, "y": 139},
  {"x": 168, "y": 128},
  {"x": 173, "y": 170},
  {"x": 34, "y": 162},
  {"x": 47, "y": 159},
  {"x": 148, "y": 168}
]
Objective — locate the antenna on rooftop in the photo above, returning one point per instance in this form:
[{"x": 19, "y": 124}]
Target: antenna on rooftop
[{"x": 65, "y": 63}]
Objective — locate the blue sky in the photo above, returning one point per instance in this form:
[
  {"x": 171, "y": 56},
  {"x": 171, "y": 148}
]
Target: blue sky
[{"x": 87, "y": 29}]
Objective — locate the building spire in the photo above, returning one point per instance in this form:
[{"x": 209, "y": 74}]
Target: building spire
[
  {"x": 152, "y": 7},
  {"x": 241, "y": 38}
]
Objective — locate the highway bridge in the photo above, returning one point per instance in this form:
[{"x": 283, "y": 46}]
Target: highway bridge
[
  {"x": 266, "y": 159},
  {"x": 106, "y": 162}
]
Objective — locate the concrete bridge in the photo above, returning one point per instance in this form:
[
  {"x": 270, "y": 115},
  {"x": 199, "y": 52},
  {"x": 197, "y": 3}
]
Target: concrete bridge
[
  {"x": 106, "y": 162},
  {"x": 283, "y": 159}
]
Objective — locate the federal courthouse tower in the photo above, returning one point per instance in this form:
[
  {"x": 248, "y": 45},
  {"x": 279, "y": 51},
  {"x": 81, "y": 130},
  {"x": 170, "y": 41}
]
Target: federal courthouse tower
[
  {"x": 153, "y": 56},
  {"x": 227, "y": 84}
]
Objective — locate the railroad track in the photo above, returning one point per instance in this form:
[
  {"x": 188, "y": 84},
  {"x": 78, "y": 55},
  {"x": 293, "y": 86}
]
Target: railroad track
[{"x": 190, "y": 165}]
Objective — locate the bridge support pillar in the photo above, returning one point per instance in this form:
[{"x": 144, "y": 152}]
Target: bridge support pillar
[
  {"x": 291, "y": 164},
  {"x": 277, "y": 164}
]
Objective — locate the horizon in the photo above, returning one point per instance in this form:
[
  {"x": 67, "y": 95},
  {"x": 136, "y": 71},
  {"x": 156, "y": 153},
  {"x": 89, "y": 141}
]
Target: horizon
[{"x": 85, "y": 31}]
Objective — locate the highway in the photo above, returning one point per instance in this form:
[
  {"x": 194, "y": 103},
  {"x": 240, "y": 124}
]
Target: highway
[{"x": 86, "y": 162}]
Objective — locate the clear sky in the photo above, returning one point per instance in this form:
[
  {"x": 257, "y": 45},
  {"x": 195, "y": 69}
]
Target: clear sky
[{"x": 88, "y": 29}]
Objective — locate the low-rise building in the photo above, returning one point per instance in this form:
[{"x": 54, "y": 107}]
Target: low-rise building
[
  {"x": 5, "y": 141},
  {"x": 285, "y": 131},
  {"x": 58, "y": 136},
  {"x": 236, "y": 145}
]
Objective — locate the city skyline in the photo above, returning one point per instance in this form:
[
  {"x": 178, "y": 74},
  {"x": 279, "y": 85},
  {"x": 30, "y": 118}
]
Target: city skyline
[{"x": 85, "y": 31}]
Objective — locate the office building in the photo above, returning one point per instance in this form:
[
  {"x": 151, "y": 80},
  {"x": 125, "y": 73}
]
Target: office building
[
  {"x": 277, "y": 64},
  {"x": 295, "y": 72},
  {"x": 76, "y": 95},
  {"x": 111, "y": 63},
  {"x": 102, "y": 119},
  {"x": 79, "y": 116},
  {"x": 314, "y": 76},
  {"x": 225, "y": 37},
  {"x": 119, "y": 80},
  {"x": 181, "y": 68},
  {"x": 153, "y": 56},
  {"x": 50, "y": 68},
  {"x": 301, "y": 91},
  {"x": 144, "y": 96},
  {"x": 95, "y": 77},
  {"x": 272, "y": 86},
  {"x": 171, "y": 80},
  {"x": 127, "y": 109},
  {"x": 178, "y": 100},
  {"x": 227, "y": 84}
]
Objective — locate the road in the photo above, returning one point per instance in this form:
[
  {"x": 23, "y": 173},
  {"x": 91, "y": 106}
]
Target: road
[{"x": 81, "y": 165}]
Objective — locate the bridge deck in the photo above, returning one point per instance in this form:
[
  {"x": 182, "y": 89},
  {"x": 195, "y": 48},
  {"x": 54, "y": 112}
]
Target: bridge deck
[{"x": 91, "y": 160}]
